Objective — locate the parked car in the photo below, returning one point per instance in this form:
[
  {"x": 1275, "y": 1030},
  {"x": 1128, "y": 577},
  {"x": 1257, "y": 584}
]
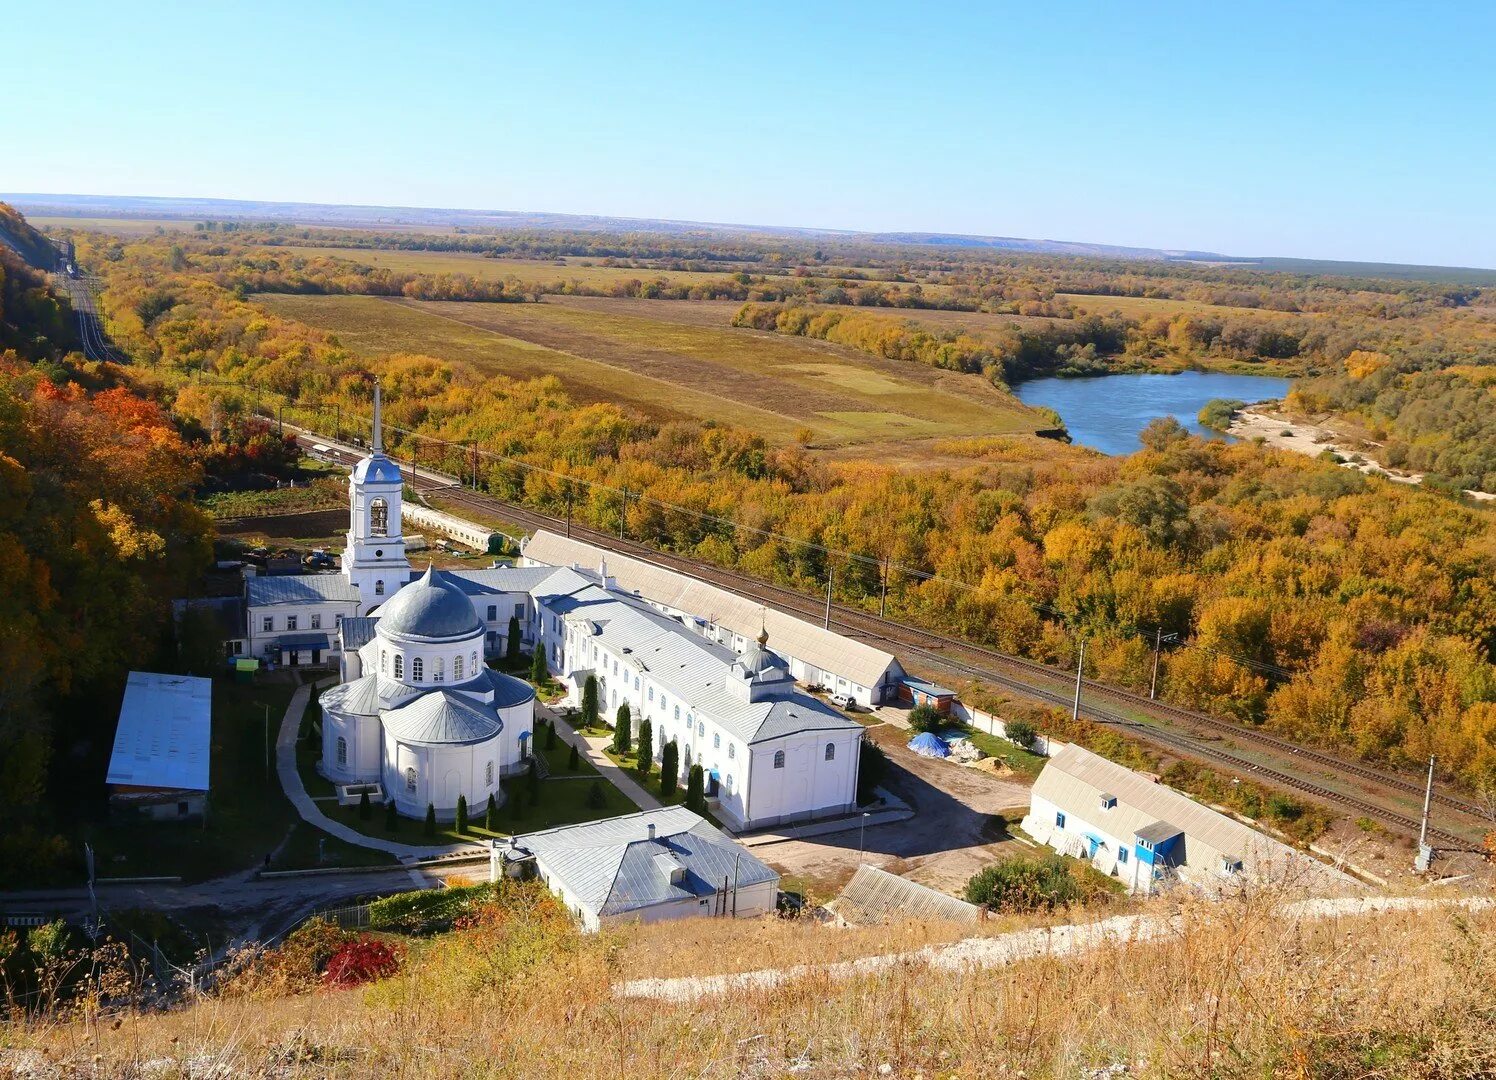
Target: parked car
[{"x": 844, "y": 701}]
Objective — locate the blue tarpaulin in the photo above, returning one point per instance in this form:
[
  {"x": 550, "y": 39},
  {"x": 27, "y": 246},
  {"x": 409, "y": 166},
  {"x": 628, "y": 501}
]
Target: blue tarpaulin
[{"x": 929, "y": 745}]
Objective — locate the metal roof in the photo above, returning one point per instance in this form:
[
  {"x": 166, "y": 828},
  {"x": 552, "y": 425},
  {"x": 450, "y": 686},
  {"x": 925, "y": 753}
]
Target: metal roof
[
  {"x": 377, "y": 469},
  {"x": 367, "y": 696},
  {"x": 875, "y": 895},
  {"x": 302, "y": 641},
  {"x": 1075, "y": 779},
  {"x": 611, "y": 866},
  {"x": 429, "y": 609},
  {"x": 792, "y": 637},
  {"x": 696, "y": 670},
  {"x": 164, "y": 734},
  {"x": 442, "y": 718},
  {"x": 300, "y": 589},
  {"x": 356, "y": 632},
  {"x": 495, "y": 580},
  {"x": 925, "y": 686}
]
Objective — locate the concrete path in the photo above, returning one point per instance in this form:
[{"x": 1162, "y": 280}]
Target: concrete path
[
  {"x": 592, "y": 749},
  {"x": 1001, "y": 949},
  {"x": 311, "y": 813}
]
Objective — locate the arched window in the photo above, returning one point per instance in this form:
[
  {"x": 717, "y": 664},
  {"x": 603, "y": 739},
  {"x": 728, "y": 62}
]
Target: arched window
[
  {"x": 379, "y": 518},
  {"x": 457, "y": 668},
  {"x": 778, "y": 759},
  {"x": 831, "y": 751},
  {"x": 473, "y": 663},
  {"x": 410, "y": 779},
  {"x": 399, "y": 666},
  {"x": 384, "y": 662},
  {"x": 716, "y": 740},
  {"x": 732, "y": 751},
  {"x": 729, "y": 783},
  {"x": 488, "y": 774},
  {"x": 417, "y": 669},
  {"x": 342, "y": 750},
  {"x": 437, "y": 674},
  {"x": 701, "y": 729},
  {"x": 379, "y": 587}
]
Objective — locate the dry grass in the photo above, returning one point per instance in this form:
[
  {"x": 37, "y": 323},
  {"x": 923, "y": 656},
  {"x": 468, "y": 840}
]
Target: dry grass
[
  {"x": 1235, "y": 990},
  {"x": 1143, "y": 307},
  {"x": 529, "y": 270}
]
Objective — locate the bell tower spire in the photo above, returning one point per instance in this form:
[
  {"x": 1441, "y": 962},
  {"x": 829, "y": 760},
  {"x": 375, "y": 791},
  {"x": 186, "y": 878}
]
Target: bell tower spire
[
  {"x": 378, "y": 442},
  {"x": 374, "y": 559}
]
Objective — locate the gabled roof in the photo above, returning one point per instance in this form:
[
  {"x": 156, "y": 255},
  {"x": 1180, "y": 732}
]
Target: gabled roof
[
  {"x": 612, "y": 866},
  {"x": 875, "y": 895},
  {"x": 356, "y": 631},
  {"x": 806, "y": 642},
  {"x": 442, "y": 718},
  {"x": 693, "y": 668},
  {"x": 300, "y": 589},
  {"x": 164, "y": 733},
  {"x": 1075, "y": 779},
  {"x": 496, "y": 580}
]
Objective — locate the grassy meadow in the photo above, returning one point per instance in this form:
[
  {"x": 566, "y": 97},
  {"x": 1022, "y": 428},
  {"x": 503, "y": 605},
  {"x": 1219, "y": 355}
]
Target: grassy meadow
[
  {"x": 1144, "y": 307},
  {"x": 678, "y": 359}
]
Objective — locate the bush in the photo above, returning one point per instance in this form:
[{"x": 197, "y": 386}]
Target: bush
[
  {"x": 669, "y": 770},
  {"x": 1021, "y": 733},
  {"x": 430, "y": 827},
  {"x": 296, "y": 966},
  {"x": 872, "y": 769},
  {"x": 550, "y": 735},
  {"x": 491, "y": 815},
  {"x": 926, "y": 718},
  {"x": 1025, "y": 883},
  {"x": 696, "y": 790},
  {"x": 645, "y": 757},
  {"x": 391, "y": 817},
  {"x": 623, "y": 729},
  {"x": 511, "y": 647},
  {"x": 365, "y": 807},
  {"x": 532, "y": 781},
  {"x": 426, "y": 910},
  {"x": 589, "y": 702},
  {"x": 461, "y": 824},
  {"x": 597, "y": 798},
  {"x": 363, "y": 961},
  {"x": 574, "y": 759}
]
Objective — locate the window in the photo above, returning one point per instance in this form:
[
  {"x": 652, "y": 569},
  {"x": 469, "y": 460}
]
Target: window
[
  {"x": 290, "y": 622},
  {"x": 473, "y": 663},
  {"x": 457, "y": 669},
  {"x": 732, "y": 751},
  {"x": 729, "y": 783},
  {"x": 399, "y": 666},
  {"x": 379, "y": 517},
  {"x": 316, "y": 622},
  {"x": 831, "y": 751},
  {"x": 1059, "y": 819},
  {"x": 410, "y": 779},
  {"x": 677, "y": 712},
  {"x": 418, "y": 669},
  {"x": 493, "y": 612},
  {"x": 700, "y": 729},
  {"x": 384, "y": 662},
  {"x": 267, "y": 624},
  {"x": 379, "y": 587},
  {"x": 1121, "y": 856},
  {"x": 636, "y": 683},
  {"x": 778, "y": 759},
  {"x": 716, "y": 740},
  {"x": 519, "y": 610},
  {"x": 488, "y": 774},
  {"x": 437, "y": 674},
  {"x": 651, "y": 693},
  {"x": 337, "y": 620},
  {"x": 342, "y": 750}
]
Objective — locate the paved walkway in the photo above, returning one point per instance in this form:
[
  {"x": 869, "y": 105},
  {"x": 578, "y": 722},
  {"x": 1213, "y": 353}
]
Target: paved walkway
[
  {"x": 306, "y": 806},
  {"x": 592, "y": 748}
]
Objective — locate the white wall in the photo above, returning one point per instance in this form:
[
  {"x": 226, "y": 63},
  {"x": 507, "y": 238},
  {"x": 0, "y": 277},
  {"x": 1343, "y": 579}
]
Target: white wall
[
  {"x": 434, "y": 765},
  {"x": 808, "y": 785},
  {"x": 327, "y": 611}
]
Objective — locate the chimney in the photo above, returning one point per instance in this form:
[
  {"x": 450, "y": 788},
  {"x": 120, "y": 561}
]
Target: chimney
[{"x": 651, "y": 830}]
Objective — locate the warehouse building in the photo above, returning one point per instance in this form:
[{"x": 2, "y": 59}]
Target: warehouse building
[{"x": 160, "y": 764}]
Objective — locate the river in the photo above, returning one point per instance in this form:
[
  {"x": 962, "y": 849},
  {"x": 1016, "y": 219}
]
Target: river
[{"x": 1108, "y": 412}]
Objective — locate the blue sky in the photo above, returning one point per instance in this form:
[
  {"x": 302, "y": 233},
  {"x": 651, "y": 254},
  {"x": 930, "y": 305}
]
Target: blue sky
[{"x": 1354, "y": 131}]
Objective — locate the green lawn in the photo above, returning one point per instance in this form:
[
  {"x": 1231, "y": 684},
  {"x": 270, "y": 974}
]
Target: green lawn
[
  {"x": 309, "y": 847},
  {"x": 559, "y": 758},
  {"x": 248, "y": 814}
]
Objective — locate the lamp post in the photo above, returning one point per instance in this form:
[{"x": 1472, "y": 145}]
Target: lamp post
[{"x": 861, "y": 836}]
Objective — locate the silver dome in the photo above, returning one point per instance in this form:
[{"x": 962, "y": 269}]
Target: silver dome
[{"x": 429, "y": 609}]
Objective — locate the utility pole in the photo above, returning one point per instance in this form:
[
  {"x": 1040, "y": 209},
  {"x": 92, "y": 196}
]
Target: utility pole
[
  {"x": 568, "y": 514},
  {"x": 1425, "y": 853},
  {"x": 267, "y": 740},
  {"x": 1080, "y": 667},
  {"x": 623, "y": 514},
  {"x": 861, "y": 836},
  {"x": 883, "y": 591},
  {"x": 1158, "y": 644},
  {"x": 830, "y": 577},
  {"x": 337, "y": 423},
  {"x": 280, "y": 418},
  {"x": 474, "y": 449}
]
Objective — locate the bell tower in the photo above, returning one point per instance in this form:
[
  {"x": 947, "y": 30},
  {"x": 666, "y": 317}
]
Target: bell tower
[{"x": 374, "y": 559}]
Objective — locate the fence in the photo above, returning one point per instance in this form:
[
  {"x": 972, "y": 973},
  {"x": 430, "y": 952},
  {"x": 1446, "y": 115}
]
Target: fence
[{"x": 1042, "y": 745}]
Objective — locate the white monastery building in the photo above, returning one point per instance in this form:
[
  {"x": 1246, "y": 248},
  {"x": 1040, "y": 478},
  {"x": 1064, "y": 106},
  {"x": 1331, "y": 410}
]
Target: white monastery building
[{"x": 420, "y": 713}]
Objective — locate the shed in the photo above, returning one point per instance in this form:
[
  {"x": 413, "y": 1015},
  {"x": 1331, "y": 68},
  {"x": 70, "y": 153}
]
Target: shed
[
  {"x": 162, "y": 747},
  {"x": 874, "y": 896},
  {"x": 916, "y": 691}
]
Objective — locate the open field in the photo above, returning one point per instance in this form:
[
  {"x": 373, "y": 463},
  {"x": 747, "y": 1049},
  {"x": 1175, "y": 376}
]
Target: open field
[
  {"x": 124, "y": 226},
  {"x": 544, "y": 270},
  {"x": 719, "y": 313},
  {"x": 1142, "y": 307},
  {"x": 668, "y": 360}
]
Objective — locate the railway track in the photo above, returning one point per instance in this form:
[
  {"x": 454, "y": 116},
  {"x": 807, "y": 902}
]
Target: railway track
[{"x": 1026, "y": 677}]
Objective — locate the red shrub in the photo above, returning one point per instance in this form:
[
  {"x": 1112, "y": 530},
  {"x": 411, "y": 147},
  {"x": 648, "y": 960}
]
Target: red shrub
[{"x": 362, "y": 961}]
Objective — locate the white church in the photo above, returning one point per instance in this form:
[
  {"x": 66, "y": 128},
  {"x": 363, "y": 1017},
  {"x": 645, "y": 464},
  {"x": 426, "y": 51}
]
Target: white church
[{"x": 419, "y": 712}]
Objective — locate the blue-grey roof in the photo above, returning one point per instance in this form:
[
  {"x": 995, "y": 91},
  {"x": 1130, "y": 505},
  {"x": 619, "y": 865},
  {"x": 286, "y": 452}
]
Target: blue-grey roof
[
  {"x": 442, "y": 718},
  {"x": 507, "y": 690},
  {"x": 164, "y": 733},
  {"x": 925, "y": 686},
  {"x": 377, "y": 469},
  {"x": 367, "y": 696},
  {"x": 612, "y": 866},
  {"x": 696, "y": 669},
  {"x": 300, "y": 589},
  {"x": 356, "y": 632},
  {"x": 313, "y": 640},
  {"x": 431, "y": 608},
  {"x": 498, "y": 579}
]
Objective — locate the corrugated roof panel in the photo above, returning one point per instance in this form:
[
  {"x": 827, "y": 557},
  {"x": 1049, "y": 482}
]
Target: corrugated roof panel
[
  {"x": 300, "y": 589},
  {"x": 875, "y": 895},
  {"x": 164, "y": 737}
]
